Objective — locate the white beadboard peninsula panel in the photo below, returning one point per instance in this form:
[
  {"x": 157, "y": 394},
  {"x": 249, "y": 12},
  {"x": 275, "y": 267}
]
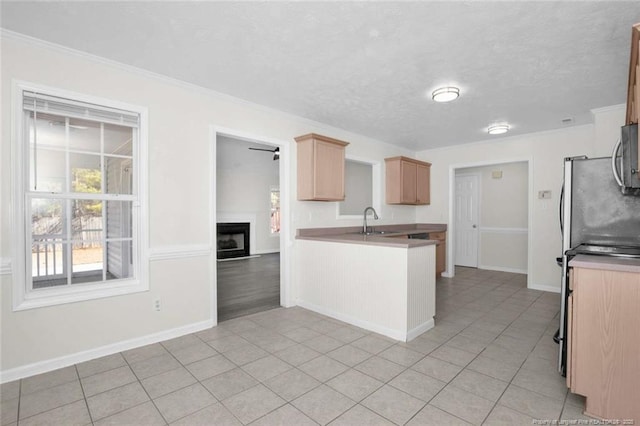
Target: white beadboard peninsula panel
[
  {"x": 421, "y": 288},
  {"x": 368, "y": 286}
]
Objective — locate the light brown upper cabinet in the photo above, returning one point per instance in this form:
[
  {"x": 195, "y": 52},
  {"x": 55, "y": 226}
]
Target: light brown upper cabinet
[
  {"x": 320, "y": 168},
  {"x": 407, "y": 181}
]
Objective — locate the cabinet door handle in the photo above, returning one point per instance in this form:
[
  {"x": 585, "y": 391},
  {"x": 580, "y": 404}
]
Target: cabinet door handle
[{"x": 474, "y": 226}]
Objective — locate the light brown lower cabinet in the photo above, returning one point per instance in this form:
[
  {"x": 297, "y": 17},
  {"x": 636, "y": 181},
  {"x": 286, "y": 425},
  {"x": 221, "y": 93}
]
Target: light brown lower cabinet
[
  {"x": 441, "y": 251},
  {"x": 603, "y": 352}
]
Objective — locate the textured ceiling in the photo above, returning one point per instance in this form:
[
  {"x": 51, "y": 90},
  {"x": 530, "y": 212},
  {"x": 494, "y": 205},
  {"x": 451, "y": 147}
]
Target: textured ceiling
[{"x": 369, "y": 67}]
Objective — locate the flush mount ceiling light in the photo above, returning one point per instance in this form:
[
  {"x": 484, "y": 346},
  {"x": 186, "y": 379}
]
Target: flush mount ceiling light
[
  {"x": 498, "y": 129},
  {"x": 445, "y": 94}
]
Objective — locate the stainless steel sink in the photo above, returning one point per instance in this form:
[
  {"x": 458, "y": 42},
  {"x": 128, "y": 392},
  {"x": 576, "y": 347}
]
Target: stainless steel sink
[{"x": 374, "y": 232}]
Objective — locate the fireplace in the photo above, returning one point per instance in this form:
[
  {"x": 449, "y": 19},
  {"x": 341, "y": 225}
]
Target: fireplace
[{"x": 232, "y": 240}]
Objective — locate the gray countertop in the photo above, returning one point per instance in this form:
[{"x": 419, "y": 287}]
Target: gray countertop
[
  {"x": 394, "y": 236},
  {"x": 607, "y": 263}
]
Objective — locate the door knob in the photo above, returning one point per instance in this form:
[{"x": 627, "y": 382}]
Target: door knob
[{"x": 474, "y": 226}]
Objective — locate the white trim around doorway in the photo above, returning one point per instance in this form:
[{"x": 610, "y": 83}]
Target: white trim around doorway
[
  {"x": 286, "y": 243},
  {"x": 450, "y": 271}
]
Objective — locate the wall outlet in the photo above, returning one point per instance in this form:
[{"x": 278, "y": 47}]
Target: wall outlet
[{"x": 156, "y": 304}]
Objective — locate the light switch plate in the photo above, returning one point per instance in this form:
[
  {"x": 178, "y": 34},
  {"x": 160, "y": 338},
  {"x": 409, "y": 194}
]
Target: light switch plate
[{"x": 545, "y": 194}]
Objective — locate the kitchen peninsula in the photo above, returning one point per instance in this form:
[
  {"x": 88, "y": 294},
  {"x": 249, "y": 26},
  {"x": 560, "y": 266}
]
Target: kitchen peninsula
[{"x": 383, "y": 281}]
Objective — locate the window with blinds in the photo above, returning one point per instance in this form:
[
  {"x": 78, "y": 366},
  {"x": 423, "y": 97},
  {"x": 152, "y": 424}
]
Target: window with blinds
[{"x": 81, "y": 189}]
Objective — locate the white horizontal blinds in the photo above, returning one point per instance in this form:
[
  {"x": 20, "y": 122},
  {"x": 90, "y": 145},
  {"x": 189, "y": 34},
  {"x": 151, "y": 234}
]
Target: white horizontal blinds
[{"x": 41, "y": 103}]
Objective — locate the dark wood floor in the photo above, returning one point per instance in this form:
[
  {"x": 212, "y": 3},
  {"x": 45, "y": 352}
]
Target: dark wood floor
[{"x": 248, "y": 285}]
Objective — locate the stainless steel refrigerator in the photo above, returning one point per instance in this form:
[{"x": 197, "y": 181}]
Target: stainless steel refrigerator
[{"x": 596, "y": 218}]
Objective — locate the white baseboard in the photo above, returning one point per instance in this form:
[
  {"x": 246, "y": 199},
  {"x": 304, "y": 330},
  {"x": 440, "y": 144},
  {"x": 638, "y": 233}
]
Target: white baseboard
[
  {"x": 415, "y": 332},
  {"x": 67, "y": 360},
  {"x": 267, "y": 251},
  {"x": 232, "y": 259},
  {"x": 376, "y": 328},
  {"x": 549, "y": 288},
  {"x": 394, "y": 334},
  {"x": 502, "y": 269}
]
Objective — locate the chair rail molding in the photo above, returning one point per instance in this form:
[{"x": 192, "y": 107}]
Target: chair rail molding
[
  {"x": 5, "y": 266},
  {"x": 498, "y": 230},
  {"x": 179, "y": 251}
]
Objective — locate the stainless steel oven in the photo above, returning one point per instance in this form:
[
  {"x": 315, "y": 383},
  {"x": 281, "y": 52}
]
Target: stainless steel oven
[{"x": 597, "y": 219}]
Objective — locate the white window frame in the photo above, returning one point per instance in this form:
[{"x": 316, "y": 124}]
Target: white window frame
[
  {"x": 271, "y": 189},
  {"x": 23, "y": 298},
  {"x": 376, "y": 185}
]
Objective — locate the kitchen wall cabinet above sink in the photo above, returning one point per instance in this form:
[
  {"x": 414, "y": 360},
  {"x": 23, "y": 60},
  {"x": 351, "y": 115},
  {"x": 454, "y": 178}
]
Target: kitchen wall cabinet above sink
[{"x": 408, "y": 181}]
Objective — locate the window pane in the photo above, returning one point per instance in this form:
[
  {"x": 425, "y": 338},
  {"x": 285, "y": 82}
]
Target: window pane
[
  {"x": 118, "y": 140},
  {"x": 119, "y": 175},
  {"x": 84, "y": 135},
  {"x": 46, "y": 170},
  {"x": 119, "y": 260},
  {"x": 85, "y": 173},
  {"x": 48, "y": 266},
  {"x": 274, "y": 224},
  {"x": 47, "y": 218},
  {"x": 49, "y": 131},
  {"x": 119, "y": 219},
  {"x": 86, "y": 221},
  {"x": 86, "y": 262}
]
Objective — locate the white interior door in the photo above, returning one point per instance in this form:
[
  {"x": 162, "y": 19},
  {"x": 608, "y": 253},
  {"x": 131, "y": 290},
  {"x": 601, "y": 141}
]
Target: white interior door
[{"x": 466, "y": 223}]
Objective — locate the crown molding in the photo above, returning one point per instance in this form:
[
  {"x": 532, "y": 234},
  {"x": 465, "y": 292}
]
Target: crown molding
[
  {"x": 609, "y": 108},
  {"x": 508, "y": 139}
]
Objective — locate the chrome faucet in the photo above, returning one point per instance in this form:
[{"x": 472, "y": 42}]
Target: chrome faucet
[{"x": 375, "y": 216}]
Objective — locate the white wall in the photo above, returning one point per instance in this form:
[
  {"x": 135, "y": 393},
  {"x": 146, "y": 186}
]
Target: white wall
[
  {"x": 503, "y": 221},
  {"x": 607, "y": 128},
  {"x": 244, "y": 180},
  {"x": 182, "y": 270},
  {"x": 357, "y": 188},
  {"x": 546, "y": 152}
]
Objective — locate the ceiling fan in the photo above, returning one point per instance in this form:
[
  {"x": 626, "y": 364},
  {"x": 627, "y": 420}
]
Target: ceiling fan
[{"x": 276, "y": 152}]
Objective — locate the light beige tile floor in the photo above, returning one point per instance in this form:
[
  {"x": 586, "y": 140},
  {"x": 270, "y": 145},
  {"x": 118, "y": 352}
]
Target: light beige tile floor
[{"x": 489, "y": 360}]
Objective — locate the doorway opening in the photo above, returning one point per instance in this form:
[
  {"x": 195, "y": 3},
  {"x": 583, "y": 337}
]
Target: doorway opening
[
  {"x": 247, "y": 226},
  {"x": 490, "y": 216}
]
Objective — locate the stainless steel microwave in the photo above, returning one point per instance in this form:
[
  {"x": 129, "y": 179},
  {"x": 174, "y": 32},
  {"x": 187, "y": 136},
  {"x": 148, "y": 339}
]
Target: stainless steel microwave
[{"x": 624, "y": 161}]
